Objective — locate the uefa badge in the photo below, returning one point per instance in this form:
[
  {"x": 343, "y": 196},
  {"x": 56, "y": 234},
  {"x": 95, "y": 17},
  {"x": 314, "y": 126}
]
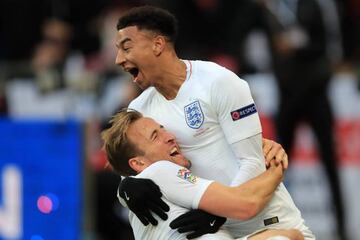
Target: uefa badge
[
  {"x": 193, "y": 115},
  {"x": 187, "y": 175}
]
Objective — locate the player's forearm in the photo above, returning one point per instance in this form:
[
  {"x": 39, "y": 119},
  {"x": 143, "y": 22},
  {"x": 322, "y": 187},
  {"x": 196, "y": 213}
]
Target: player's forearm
[
  {"x": 242, "y": 202},
  {"x": 261, "y": 188},
  {"x": 227, "y": 202}
]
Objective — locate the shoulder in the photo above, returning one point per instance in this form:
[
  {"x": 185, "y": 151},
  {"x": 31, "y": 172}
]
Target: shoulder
[
  {"x": 160, "y": 168},
  {"x": 143, "y": 99},
  {"x": 165, "y": 174},
  {"x": 210, "y": 73}
]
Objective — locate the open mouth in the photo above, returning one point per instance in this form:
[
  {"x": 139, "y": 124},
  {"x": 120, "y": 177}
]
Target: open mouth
[
  {"x": 134, "y": 72},
  {"x": 174, "y": 152}
]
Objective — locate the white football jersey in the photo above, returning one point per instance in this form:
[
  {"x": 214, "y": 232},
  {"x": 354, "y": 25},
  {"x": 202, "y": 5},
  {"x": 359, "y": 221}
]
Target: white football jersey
[
  {"x": 201, "y": 117},
  {"x": 173, "y": 180},
  {"x": 212, "y": 110}
]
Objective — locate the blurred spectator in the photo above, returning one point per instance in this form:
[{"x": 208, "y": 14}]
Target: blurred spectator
[
  {"x": 351, "y": 29},
  {"x": 351, "y": 26},
  {"x": 51, "y": 53},
  {"x": 20, "y": 29},
  {"x": 302, "y": 66},
  {"x": 204, "y": 26}
]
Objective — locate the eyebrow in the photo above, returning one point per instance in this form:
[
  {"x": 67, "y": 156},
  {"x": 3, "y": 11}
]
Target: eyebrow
[{"x": 121, "y": 44}]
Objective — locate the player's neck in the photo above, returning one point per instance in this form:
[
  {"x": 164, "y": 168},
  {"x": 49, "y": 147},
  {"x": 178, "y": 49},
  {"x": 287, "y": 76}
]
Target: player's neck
[{"x": 173, "y": 74}]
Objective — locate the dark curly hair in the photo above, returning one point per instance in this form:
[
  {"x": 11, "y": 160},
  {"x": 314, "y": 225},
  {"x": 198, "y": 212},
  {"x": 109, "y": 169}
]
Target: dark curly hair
[{"x": 150, "y": 18}]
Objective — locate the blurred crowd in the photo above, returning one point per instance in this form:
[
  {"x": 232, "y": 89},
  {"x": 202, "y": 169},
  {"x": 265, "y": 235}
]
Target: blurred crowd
[
  {"x": 57, "y": 58},
  {"x": 53, "y": 48}
]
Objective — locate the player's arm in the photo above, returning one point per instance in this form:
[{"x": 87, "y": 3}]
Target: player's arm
[
  {"x": 244, "y": 201},
  {"x": 241, "y": 202},
  {"x": 182, "y": 188},
  {"x": 237, "y": 114}
]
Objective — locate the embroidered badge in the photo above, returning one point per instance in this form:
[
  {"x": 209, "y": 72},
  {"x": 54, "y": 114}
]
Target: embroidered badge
[
  {"x": 243, "y": 112},
  {"x": 193, "y": 115},
  {"x": 187, "y": 175}
]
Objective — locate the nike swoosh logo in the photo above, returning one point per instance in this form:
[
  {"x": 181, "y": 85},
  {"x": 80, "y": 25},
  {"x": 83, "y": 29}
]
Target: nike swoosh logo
[
  {"x": 212, "y": 223},
  {"x": 126, "y": 196}
]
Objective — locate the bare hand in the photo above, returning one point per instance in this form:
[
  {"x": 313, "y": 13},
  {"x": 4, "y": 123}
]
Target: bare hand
[{"x": 274, "y": 151}]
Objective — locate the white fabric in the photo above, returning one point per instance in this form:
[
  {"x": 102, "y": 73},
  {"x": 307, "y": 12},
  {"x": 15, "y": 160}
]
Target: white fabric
[
  {"x": 211, "y": 141},
  {"x": 250, "y": 235},
  {"x": 207, "y": 146},
  {"x": 251, "y": 164},
  {"x": 173, "y": 183},
  {"x": 165, "y": 175},
  {"x": 250, "y": 159}
]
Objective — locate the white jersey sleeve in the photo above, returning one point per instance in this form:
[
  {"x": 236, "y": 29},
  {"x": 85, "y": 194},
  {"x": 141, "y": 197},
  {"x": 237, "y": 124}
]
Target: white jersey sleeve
[
  {"x": 177, "y": 183},
  {"x": 239, "y": 120},
  {"x": 250, "y": 159},
  {"x": 235, "y": 107}
]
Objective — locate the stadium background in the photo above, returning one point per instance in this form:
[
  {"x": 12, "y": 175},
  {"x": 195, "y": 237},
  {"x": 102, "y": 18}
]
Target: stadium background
[{"x": 59, "y": 85}]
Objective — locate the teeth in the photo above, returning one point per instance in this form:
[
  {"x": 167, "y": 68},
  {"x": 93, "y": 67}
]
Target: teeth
[{"x": 173, "y": 151}]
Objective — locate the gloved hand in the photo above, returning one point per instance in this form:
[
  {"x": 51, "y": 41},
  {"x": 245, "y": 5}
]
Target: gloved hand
[
  {"x": 198, "y": 222},
  {"x": 143, "y": 196}
]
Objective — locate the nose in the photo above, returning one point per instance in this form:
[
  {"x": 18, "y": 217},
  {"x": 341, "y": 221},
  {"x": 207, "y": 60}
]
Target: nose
[
  {"x": 169, "y": 137},
  {"x": 120, "y": 58}
]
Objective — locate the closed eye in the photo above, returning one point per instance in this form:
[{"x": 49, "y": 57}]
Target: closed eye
[{"x": 154, "y": 133}]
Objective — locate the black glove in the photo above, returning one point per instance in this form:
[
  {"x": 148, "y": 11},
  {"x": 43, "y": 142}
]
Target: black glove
[
  {"x": 143, "y": 196},
  {"x": 198, "y": 222}
]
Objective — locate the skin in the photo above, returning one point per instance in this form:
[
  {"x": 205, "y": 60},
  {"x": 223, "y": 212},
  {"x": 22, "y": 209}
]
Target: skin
[
  {"x": 155, "y": 142},
  {"x": 274, "y": 151}
]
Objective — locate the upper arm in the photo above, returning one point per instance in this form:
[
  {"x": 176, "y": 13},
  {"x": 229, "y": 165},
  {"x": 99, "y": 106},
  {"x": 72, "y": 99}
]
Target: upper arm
[
  {"x": 178, "y": 184},
  {"x": 232, "y": 101},
  {"x": 184, "y": 189}
]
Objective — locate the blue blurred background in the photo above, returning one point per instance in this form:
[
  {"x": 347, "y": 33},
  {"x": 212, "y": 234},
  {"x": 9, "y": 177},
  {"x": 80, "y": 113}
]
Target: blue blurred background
[{"x": 41, "y": 165}]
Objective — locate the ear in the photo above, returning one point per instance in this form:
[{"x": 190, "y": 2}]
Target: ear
[
  {"x": 159, "y": 44},
  {"x": 137, "y": 164}
]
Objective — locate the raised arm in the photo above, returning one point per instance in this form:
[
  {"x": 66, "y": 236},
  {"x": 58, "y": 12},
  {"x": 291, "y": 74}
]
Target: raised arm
[
  {"x": 244, "y": 201},
  {"x": 182, "y": 188}
]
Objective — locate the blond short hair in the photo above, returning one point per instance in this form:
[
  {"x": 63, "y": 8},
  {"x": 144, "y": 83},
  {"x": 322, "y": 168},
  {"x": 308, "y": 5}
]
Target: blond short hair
[{"x": 118, "y": 147}]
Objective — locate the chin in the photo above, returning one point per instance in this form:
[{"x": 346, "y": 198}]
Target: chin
[
  {"x": 143, "y": 86},
  {"x": 185, "y": 163}
]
